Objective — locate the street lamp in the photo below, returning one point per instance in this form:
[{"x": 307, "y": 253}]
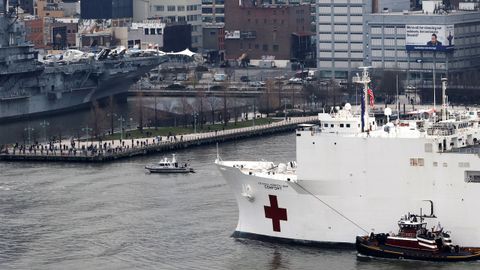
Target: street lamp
[
  {"x": 87, "y": 131},
  {"x": 29, "y": 133},
  {"x": 313, "y": 97},
  {"x": 44, "y": 125},
  {"x": 111, "y": 115},
  {"x": 195, "y": 115},
  {"x": 121, "y": 120}
]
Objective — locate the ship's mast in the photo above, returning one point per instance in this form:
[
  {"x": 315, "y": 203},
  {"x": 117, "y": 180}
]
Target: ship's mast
[
  {"x": 365, "y": 80},
  {"x": 444, "y": 99}
]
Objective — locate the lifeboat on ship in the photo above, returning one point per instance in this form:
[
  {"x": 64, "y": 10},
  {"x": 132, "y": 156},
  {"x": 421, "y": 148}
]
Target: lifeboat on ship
[{"x": 415, "y": 241}]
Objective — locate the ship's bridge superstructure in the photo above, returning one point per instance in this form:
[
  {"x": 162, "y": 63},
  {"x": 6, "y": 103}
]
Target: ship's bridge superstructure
[{"x": 450, "y": 135}]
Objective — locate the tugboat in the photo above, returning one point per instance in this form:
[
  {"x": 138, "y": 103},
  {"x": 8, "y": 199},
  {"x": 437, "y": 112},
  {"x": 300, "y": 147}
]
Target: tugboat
[
  {"x": 415, "y": 242},
  {"x": 169, "y": 166}
]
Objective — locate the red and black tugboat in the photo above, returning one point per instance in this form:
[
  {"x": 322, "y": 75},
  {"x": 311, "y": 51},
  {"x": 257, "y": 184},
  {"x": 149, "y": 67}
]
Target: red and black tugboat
[{"x": 415, "y": 241}]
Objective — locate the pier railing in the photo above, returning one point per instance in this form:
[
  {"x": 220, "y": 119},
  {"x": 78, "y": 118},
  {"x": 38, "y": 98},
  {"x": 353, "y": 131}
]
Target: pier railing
[{"x": 99, "y": 151}]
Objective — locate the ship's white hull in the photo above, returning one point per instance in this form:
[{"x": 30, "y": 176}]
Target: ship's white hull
[{"x": 338, "y": 219}]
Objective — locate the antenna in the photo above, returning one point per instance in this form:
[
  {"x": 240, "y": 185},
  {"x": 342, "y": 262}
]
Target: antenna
[{"x": 365, "y": 80}]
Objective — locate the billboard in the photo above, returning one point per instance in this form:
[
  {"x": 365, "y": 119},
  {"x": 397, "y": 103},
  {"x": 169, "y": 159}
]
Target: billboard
[
  {"x": 235, "y": 34},
  {"x": 429, "y": 37}
]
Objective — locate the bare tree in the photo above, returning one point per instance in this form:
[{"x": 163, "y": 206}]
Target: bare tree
[
  {"x": 212, "y": 102},
  {"x": 98, "y": 118},
  {"x": 186, "y": 110},
  {"x": 200, "y": 104}
]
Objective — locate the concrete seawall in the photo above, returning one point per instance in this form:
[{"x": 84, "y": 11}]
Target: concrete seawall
[{"x": 121, "y": 152}]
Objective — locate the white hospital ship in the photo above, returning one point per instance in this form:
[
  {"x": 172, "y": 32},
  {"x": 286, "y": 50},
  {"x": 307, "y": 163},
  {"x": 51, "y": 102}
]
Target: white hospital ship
[{"x": 352, "y": 177}]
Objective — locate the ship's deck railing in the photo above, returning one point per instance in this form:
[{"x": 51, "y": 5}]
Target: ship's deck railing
[
  {"x": 475, "y": 149},
  {"x": 440, "y": 132},
  {"x": 441, "y": 129}
]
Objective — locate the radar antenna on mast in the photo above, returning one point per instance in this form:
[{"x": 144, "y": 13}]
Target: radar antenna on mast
[{"x": 365, "y": 80}]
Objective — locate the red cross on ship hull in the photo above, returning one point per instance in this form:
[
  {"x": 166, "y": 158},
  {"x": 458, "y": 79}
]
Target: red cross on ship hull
[{"x": 275, "y": 213}]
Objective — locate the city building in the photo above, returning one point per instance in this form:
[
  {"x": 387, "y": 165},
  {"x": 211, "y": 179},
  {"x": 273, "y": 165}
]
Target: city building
[
  {"x": 266, "y": 30},
  {"x": 94, "y": 40},
  {"x": 106, "y": 9},
  {"x": 214, "y": 42},
  {"x": 340, "y": 34},
  {"x": 173, "y": 11},
  {"x": 49, "y": 8},
  {"x": 177, "y": 37},
  {"x": 213, "y": 11},
  {"x": 27, "y": 6},
  {"x": 34, "y": 32},
  {"x": 52, "y": 33},
  {"x": 402, "y": 42},
  {"x": 142, "y": 35},
  {"x": 71, "y": 8}
]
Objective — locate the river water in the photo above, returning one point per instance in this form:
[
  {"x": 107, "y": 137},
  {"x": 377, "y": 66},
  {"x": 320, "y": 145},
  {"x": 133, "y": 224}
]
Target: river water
[{"x": 116, "y": 216}]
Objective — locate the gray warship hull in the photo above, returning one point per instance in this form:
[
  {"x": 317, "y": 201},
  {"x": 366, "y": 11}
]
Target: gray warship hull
[{"x": 56, "y": 90}]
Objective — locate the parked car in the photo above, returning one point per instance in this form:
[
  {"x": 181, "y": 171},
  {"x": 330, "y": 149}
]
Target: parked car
[
  {"x": 244, "y": 79},
  {"x": 181, "y": 77},
  {"x": 175, "y": 86},
  {"x": 295, "y": 81},
  {"x": 216, "y": 88},
  {"x": 256, "y": 84},
  {"x": 219, "y": 77}
]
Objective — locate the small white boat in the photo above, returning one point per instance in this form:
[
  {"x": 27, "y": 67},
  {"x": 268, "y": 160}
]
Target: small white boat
[{"x": 169, "y": 166}]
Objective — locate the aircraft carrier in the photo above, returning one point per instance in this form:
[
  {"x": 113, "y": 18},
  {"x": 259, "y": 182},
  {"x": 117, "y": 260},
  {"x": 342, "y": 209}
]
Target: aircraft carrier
[{"x": 31, "y": 87}]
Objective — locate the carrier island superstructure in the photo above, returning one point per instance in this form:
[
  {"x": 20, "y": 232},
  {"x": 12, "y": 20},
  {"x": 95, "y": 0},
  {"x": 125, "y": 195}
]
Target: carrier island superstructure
[
  {"x": 31, "y": 87},
  {"x": 353, "y": 177}
]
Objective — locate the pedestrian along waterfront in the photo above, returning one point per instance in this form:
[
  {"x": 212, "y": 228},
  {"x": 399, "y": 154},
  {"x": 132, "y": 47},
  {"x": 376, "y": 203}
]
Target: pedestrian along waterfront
[{"x": 99, "y": 151}]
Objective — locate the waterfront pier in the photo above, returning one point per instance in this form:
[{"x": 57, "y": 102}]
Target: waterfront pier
[{"x": 110, "y": 150}]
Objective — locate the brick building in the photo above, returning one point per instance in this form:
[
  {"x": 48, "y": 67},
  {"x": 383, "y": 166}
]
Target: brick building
[
  {"x": 260, "y": 30},
  {"x": 51, "y": 33},
  {"x": 34, "y": 32}
]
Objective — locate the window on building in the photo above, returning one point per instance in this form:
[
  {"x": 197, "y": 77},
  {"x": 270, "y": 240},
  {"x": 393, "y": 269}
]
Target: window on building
[
  {"x": 265, "y": 47},
  {"x": 152, "y": 31},
  {"x": 171, "y": 8},
  {"x": 180, "y": 8},
  {"x": 275, "y": 48},
  {"x": 146, "y": 31},
  {"x": 159, "y": 31},
  {"x": 159, "y": 8}
]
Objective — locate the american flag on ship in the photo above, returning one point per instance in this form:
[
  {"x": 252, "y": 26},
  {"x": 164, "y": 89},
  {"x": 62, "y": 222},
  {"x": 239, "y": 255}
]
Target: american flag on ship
[{"x": 371, "y": 96}]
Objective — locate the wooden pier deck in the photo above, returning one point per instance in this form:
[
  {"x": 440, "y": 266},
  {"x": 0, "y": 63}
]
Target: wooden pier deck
[{"x": 105, "y": 151}]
